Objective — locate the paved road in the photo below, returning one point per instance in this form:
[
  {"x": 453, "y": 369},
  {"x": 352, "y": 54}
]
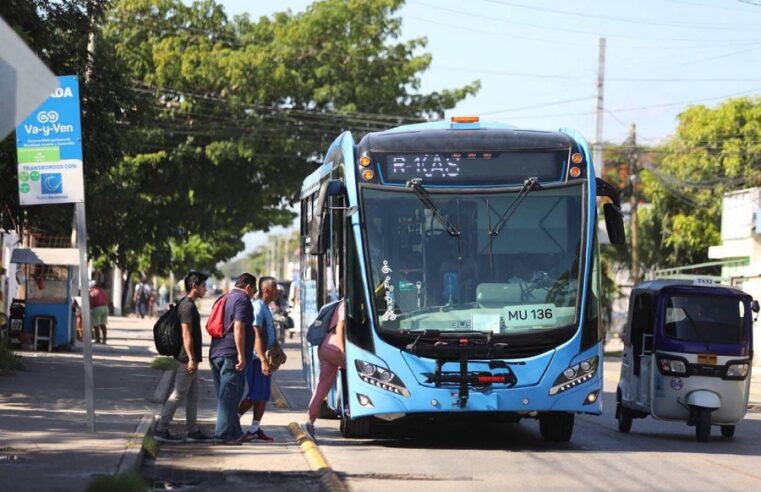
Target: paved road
[{"x": 466, "y": 456}]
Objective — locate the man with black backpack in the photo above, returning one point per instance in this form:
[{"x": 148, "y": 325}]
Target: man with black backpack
[{"x": 186, "y": 382}]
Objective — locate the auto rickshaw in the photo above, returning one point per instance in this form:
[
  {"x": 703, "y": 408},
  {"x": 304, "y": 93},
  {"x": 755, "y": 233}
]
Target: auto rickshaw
[{"x": 688, "y": 353}]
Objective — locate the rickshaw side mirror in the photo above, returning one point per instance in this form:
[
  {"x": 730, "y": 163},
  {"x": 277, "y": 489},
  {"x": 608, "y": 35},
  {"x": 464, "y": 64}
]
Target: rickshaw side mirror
[{"x": 755, "y": 307}]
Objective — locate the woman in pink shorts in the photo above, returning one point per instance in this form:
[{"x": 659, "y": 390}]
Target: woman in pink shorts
[{"x": 332, "y": 355}]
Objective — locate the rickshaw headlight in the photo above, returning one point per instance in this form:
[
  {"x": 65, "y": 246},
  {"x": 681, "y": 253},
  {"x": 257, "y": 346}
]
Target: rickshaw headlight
[
  {"x": 575, "y": 375},
  {"x": 738, "y": 370},
  {"x": 672, "y": 366}
]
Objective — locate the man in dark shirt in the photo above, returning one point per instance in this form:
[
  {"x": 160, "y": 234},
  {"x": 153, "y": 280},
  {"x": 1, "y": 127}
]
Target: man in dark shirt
[
  {"x": 186, "y": 382},
  {"x": 228, "y": 358}
]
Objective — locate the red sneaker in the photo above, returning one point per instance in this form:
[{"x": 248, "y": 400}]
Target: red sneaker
[{"x": 259, "y": 434}]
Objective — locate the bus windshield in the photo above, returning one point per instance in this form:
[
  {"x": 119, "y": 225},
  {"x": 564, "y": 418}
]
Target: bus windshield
[{"x": 520, "y": 278}]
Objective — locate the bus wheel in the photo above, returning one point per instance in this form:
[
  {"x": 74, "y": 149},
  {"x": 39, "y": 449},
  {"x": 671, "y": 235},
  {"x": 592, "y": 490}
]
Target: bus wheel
[
  {"x": 703, "y": 425},
  {"x": 625, "y": 418},
  {"x": 356, "y": 428},
  {"x": 556, "y": 426},
  {"x": 326, "y": 412},
  {"x": 727, "y": 430}
]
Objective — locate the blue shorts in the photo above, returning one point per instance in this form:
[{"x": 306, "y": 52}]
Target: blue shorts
[{"x": 259, "y": 385}]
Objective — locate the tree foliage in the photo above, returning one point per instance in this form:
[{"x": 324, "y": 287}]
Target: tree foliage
[
  {"x": 199, "y": 127},
  {"x": 714, "y": 151}
]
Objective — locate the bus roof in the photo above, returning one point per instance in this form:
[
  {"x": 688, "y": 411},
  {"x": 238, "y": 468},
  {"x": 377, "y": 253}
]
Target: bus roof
[{"x": 443, "y": 136}]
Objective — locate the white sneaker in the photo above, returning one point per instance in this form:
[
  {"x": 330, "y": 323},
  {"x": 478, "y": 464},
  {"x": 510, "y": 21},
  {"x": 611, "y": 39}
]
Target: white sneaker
[{"x": 308, "y": 429}]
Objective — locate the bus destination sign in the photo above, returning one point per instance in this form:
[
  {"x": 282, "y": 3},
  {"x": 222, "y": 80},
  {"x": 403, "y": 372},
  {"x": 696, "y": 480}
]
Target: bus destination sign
[{"x": 474, "y": 167}]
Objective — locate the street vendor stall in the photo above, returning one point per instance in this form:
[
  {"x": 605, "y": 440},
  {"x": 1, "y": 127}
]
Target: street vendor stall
[{"x": 48, "y": 281}]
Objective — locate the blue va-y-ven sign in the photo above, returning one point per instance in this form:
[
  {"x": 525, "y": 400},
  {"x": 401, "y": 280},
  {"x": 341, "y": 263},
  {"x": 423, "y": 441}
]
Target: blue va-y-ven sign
[{"x": 49, "y": 147}]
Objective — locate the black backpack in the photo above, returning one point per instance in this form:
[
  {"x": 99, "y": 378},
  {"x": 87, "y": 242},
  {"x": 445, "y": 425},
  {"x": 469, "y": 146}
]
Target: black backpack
[{"x": 167, "y": 333}]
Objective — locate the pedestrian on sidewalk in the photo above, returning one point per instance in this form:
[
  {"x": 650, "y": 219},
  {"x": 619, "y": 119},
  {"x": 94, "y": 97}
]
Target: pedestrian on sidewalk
[
  {"x": 228, "y": 359},
  {"x": 98, "y": 311},
  {"x": 186, "y": 381},
  {"x": 332, "y": 355},
  {"x": 142, "y": 294},
  {"x": 258, "y": 371}
]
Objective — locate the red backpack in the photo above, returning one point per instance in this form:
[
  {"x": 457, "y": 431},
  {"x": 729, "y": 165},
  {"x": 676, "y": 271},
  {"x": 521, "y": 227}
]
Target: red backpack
[{"x": 215, "y": 325}]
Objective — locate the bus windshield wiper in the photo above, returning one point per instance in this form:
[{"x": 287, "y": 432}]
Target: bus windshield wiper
[
  {"x": 425, "y": 197},
  {"x": 528, "y": 186}
]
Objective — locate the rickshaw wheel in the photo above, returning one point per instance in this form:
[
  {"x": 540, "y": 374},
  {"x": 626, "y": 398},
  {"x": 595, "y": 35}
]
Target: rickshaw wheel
[
  {"x": 727, "y": 430},
  {"x": 703, "y": 425},
  {"x": 625, "y": 418}
]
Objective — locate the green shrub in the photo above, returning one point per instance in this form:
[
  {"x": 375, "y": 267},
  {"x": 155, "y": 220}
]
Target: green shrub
[
  {"x": 8, "y": 360},
  {"x": 163, "y": 363},
  {"x": 123, "y": 482}
]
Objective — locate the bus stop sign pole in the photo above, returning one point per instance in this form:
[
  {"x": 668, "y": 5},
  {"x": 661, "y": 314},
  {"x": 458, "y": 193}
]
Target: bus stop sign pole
[
  {"x": 86, "y": 330},
  {"x": 50, "y": 171}
]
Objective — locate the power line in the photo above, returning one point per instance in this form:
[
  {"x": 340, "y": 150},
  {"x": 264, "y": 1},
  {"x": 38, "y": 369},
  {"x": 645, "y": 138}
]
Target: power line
[
  {"x": 648, "y": 22},
  {"x": 534, "y": 106},
  {"x": 538, "y": 75}
]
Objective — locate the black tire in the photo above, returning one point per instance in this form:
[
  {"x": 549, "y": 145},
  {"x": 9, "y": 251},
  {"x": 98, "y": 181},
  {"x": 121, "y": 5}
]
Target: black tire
[
  {"x": 356, "y": 428},
  {"x": 625, "y": 418},
  {"x": 556, "y": 426},
  {"x": 727, "y": 430},
  {"x": 703, "y": 425},
  {"x": 326, "y": 412}
]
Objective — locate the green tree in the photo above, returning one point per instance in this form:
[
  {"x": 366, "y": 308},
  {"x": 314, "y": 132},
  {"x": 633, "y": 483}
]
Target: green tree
[
  {"x": 714, "y": 151},
  {"x": 198, "y": 128},
  {"x": 244, "y": 109}
]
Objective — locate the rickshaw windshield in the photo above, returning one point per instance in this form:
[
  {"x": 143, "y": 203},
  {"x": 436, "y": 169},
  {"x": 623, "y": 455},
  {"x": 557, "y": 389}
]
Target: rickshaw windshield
[{"x": 711, "y": 319}]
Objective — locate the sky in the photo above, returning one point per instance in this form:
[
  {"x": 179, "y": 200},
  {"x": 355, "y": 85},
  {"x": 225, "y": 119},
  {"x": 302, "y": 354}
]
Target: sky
[{"x": 537, "y": 60}]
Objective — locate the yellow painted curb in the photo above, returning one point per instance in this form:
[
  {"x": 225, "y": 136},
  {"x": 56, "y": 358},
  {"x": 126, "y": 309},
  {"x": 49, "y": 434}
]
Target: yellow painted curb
[{"x": 329, "y": 478}]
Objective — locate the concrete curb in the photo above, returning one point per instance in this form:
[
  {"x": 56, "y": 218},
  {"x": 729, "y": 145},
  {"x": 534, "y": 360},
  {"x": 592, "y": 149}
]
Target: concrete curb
[
  {"x": 134, "y": 451},
  {"x": 164, "y": 387},
  {"x": 317, "y": 462},
  {"x": 278, "y": 398}
]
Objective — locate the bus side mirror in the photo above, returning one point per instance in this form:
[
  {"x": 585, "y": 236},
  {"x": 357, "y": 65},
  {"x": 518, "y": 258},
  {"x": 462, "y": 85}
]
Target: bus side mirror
[
  {"x": 614, "y": 223},
  {"x": 755, "y": 307},
  {"x": 614, "y": 219},
  {"x": 318, "y": 226}
]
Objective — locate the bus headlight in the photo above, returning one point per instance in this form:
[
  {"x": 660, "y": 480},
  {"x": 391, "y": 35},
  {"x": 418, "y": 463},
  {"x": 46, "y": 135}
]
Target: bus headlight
[
  {"x": 380, "y": 378},
  {"x": 575, "y": 375}
]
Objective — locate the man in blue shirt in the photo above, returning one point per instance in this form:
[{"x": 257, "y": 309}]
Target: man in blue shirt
[
  {"x": 228, "y": 355},
  {"x": 258, "y": 372}
]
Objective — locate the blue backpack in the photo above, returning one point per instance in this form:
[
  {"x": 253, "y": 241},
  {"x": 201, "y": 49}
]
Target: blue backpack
[{"x": 319, "y": 328}]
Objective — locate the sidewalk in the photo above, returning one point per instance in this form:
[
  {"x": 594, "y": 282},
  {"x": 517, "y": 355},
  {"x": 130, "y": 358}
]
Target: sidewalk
[
  {"x": 278, "y": 465},
  {"x": 44, "y": 444}
]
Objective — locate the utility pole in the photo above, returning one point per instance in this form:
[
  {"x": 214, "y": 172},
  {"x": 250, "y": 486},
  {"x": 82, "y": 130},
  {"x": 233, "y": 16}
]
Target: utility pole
[
  {"x": 597, "y": 156},
  {"x": 633, "y": 158}
]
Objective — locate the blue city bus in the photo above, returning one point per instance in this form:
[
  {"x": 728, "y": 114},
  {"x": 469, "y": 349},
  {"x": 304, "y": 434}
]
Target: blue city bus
[{"x": 467, "y": 255}]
